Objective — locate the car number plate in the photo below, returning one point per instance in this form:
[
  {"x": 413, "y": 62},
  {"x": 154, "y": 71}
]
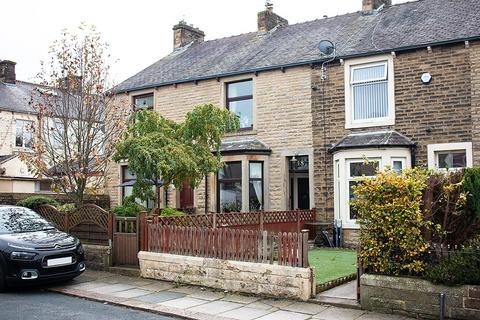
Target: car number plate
[{"x": 59, "y": 261}]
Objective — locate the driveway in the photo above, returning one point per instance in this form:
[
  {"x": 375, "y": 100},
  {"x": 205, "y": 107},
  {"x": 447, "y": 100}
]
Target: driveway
[{"x": 35, "y": 304}]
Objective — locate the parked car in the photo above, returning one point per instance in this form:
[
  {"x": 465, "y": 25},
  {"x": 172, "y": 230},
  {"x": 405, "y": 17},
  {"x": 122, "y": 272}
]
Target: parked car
[{"x": 33, "y": 250}]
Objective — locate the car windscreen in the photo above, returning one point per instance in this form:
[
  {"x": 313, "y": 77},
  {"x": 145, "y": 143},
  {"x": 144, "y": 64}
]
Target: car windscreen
[{"x": 17, "y": 219}]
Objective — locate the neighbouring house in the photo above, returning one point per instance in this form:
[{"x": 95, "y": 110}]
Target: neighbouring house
[
  {"x": 401, "y": 89},
  {"x": 17, "y": 120}
]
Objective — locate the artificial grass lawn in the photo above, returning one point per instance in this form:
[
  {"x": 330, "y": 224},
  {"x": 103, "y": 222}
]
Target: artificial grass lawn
[{"x": 331, "y": 264}]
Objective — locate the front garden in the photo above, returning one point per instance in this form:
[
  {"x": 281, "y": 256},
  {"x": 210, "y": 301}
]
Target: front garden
[
  {"x": 332, "y": 264},
  {"x": 422, "y": 225}
]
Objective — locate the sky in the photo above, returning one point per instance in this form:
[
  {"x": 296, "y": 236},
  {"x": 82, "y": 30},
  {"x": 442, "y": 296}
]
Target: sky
[{"x": 139, "y": 32}]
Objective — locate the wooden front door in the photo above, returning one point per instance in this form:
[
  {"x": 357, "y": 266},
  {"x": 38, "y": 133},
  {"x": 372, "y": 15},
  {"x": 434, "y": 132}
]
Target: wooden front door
[{"x": 186, "y": 196}]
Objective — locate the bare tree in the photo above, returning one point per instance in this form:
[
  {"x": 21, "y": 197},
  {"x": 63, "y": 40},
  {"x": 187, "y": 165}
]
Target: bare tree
[{"x": 79, "y": 122}]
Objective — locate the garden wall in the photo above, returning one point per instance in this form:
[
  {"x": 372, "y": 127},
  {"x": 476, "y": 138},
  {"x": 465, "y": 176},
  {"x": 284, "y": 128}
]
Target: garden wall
[
  {"x": 418, "y": 298},
  {"x": 97, "y": 257},
  {"x": 12, "y": 198},
  {"x": 235, "y": 276}
]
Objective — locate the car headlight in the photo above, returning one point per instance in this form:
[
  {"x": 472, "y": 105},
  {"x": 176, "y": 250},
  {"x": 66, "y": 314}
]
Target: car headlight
[
  {"x": 19, "y": 255},
  {"x": 80, "y": 249}
]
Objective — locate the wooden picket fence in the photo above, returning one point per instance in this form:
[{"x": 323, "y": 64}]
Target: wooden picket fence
[{"x": 288, "y": 249}]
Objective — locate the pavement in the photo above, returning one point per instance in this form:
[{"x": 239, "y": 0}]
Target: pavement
[
  {"x": 194, "y": 302},
  {"x": 29, "y": 304}
]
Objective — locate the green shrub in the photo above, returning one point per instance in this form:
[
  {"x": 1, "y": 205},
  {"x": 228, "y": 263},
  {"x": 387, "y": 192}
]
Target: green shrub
[
  {"x": 391, "y": 222},
  {"x": 128, "y": 210},
  {"x": 34, "y": 201},
  {"x": 459, "y": 268},
  {"x": 471, "y": 187},
  {"x": 171, "y": 212}
]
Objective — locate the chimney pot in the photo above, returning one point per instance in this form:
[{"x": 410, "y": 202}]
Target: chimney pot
[
  {"x": 369, "y": 5},
  {"x": 184, "y": 34},
  {"x": 7, "y": 71}
]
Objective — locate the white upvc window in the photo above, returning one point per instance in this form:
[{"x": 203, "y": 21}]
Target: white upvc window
[
  {"x": 352, "y": 166},
  {"x": 450, "y": 156},
  {"x": 369, "y": 92}
]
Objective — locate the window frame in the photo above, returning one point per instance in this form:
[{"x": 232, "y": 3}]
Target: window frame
[
  {"x": 434, "y": 149},
  {"x": 228, "y": 100},
  {"x": 341, "y": 186},
  {"x": 26, "y": 123},
  {"x": 143, "y": 95},
  {"x": 219, "y": 181},
  {"x": 352, "y": 64},
  {"x": 262, "y": 180}
]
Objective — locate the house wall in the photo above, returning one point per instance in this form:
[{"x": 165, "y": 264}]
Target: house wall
[
  {"x": 8, "y": 129},
  {"x": 445, "y": 111},
  {"x": 282, "y": 120}
]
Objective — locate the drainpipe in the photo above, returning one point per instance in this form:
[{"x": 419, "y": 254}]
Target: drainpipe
[{"x": 413, "y": 152}]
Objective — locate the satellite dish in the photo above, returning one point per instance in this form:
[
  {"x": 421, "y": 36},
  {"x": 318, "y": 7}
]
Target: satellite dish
[{"x": 326, "y": 47}]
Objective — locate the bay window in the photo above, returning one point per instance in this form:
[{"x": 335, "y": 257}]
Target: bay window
[
  {"x": 255, "y": 186},
  {"x": 355, "y": 165},
  {"x": 230, "y": 187}
]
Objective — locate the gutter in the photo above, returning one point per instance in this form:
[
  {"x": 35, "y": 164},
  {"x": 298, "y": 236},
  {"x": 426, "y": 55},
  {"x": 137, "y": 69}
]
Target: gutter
[{"x": 289, "y": 65}]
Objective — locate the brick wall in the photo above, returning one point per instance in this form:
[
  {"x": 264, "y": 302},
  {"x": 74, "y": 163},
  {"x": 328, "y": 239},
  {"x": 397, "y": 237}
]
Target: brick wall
[{"x": 441, "y": 112}]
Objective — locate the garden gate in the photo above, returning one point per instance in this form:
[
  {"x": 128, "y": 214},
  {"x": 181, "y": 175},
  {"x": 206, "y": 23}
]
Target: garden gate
[{"x": 126, "y": 240}]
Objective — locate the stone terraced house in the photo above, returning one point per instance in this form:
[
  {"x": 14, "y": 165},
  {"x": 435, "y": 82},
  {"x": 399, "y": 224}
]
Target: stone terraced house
[{"x": 402, "y": 89}]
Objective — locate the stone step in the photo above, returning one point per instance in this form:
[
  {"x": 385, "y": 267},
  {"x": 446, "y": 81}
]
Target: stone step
[{"x": 130, "y": 271}]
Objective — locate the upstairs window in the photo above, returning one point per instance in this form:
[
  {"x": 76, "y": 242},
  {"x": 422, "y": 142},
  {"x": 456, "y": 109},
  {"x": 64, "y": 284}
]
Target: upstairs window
[
  {"x": 369, "y": 94},
  {"x": 23, "y": 134},
  {"x": 240, "y": 101},
  {"x": 143, "y": 102}
]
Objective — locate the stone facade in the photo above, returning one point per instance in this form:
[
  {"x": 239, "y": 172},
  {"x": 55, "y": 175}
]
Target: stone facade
[
  {"x": 418, "y": 298},
  {"x": 444, "y": 111},
  {"x": 282, "y": 120},
  {"x": 98, "y": 257},
  {"x": 234, "y": 276}
]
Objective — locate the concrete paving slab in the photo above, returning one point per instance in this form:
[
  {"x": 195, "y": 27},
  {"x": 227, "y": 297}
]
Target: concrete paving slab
[
  {"x": 132, "y": 293},
  {"x": 186, "y": 289},
  {"x": 285, "y": 315},
  {"x": 183, "y": 303},
  {"x": 262, "y": 306},
  {"x": 158, "y": 297},
  {"x": 158, "y": 286},
  {"x": 334, "y": 313},
  {"x": 303, "y": 307},
  {"x": 207, "y": 295},
  {"x": 216, "y": 307},
  {"x": 111, "y": 288},
  {"x": 245, "y": 313},
  {"x": 278, "y": 303},
  {"x": 89, "y": 285},
  {"x": 238, "y": 298},
  {"x": 380, "y": 316}
]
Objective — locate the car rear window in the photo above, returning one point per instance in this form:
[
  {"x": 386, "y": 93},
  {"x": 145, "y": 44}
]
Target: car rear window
[{"x": 17, "y": 219}]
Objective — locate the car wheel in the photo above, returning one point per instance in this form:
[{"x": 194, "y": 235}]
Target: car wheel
[{"x": 3, "y": 285}]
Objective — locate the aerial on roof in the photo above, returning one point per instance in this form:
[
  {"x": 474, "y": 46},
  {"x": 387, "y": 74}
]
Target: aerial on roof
[{"x": 397, "y": 27}]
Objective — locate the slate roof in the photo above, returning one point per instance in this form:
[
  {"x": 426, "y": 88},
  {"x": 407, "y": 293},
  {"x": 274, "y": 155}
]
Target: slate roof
[
  {"x": 244, "y": 145},
  {"x": 377, "y": 139},
  {"x": 399, "y": 27},
  {"x": 7, "y": 157},
  {"x": 16, "y": 97}
]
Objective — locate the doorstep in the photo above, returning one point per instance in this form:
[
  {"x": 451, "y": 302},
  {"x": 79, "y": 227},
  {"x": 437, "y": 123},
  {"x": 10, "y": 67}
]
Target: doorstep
[{"x": 341, "y": 296}]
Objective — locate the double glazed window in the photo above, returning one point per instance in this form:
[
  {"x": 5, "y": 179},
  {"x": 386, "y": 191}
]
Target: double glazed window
[
  {"x": 143, "y": 102},
  {"x": 23, "y": 133},
  {"x": 356, "y": 171},
  {"x": 450, "y": 156},
  {"x": 230, "y": 187},
  {"x": 454, "y": 159},
  {"x": 128, "y": 180},
  {"x": 240, "y": 101},
  {"x": 369, "y": 92}
]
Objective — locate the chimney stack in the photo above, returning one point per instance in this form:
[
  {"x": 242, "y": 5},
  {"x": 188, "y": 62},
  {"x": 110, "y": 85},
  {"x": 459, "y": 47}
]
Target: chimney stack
[
  {"x": 7, "y": 71},
  {"x": 370, "y": 5},
  {"x": 267, "y": 20},
  {"x": 184, "y": 34}
]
